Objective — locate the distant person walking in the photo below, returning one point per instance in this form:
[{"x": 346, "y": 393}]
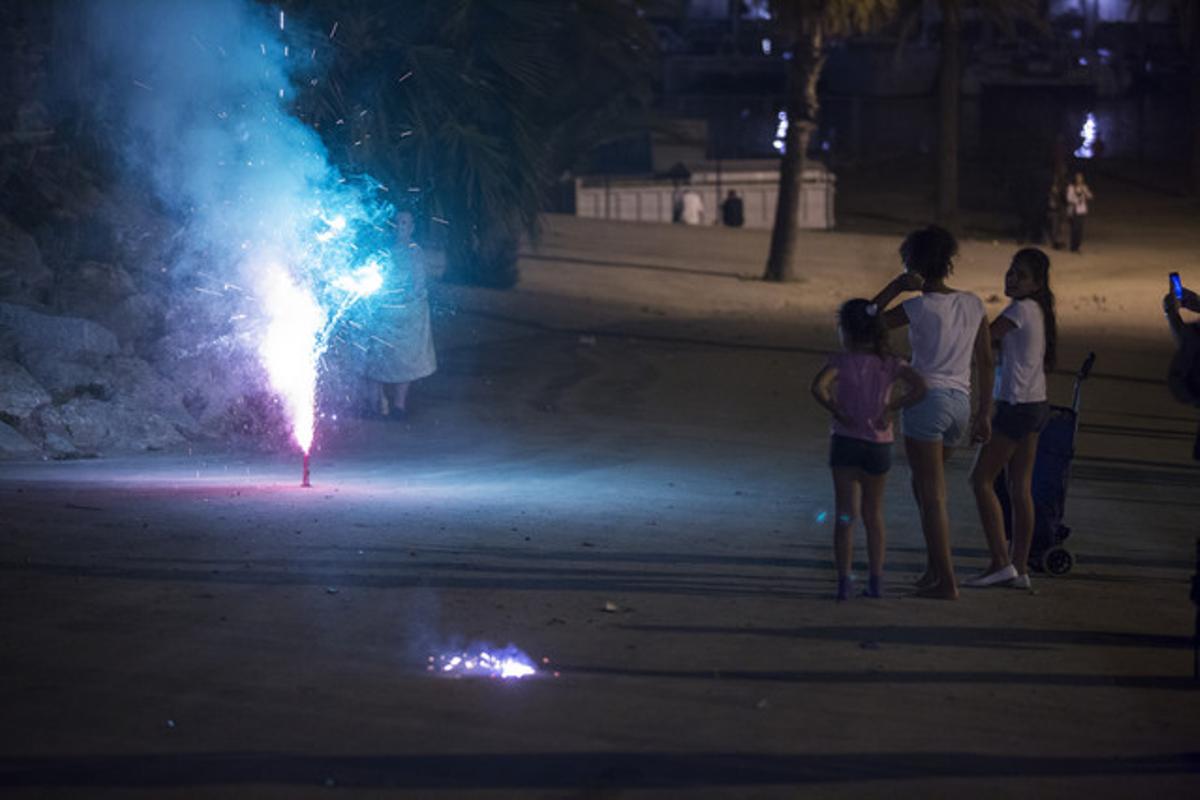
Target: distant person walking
[
  {"x": 1056, "y": 216},
  {"x": 692, "y": 210},
  {"x": 856, "y": 387},
  {"x": 1078, "y": 195},
  {"x": 1026, "y": 332},
  {"x": 947, "y": 331},
  {"x": 733, "y": 212},
  {"x": 401, "y": 346}
]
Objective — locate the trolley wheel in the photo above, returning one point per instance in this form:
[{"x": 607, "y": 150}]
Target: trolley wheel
[{"x": 1057, "y": 561}]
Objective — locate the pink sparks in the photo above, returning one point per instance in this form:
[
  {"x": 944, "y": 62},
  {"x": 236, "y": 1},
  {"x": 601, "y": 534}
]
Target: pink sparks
[{"x": 290, "y": 349}]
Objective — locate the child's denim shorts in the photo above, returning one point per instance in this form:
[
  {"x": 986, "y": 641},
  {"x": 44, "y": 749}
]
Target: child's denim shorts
[{"x": 942, "y": 415}]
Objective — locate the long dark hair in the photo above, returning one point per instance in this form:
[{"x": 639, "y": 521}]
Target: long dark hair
[
  {"x": 862, "y": 325},
  {"x": 929, "y": 252},
  {"x": 1038, "y": 264}
]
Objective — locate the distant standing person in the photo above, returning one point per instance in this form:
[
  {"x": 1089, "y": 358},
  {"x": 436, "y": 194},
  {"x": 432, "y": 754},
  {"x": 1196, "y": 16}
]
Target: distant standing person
[
  {"x": 1055, "y": 217},
  {"x": 1078, "y": 195},
  {"x": 855, "y": 386},
  {"x": 401, "y": 347},
  {"x": 948, "y": 332},
  {"x": 692, "y": 212},
  {"x": 733, "y": 212}
]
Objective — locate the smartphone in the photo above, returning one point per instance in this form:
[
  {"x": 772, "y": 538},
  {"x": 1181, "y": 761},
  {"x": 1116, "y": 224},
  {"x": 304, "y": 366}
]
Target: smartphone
[{"x": 1176, "y": 285}]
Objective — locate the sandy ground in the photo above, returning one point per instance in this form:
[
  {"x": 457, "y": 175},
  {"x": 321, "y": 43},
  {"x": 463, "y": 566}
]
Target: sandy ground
[{"x": 630, "y": 427}]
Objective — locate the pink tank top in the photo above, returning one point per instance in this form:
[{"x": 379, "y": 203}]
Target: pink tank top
[{"x": 863, "y": 383}]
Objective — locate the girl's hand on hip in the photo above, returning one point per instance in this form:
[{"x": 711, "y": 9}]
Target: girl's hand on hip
[{"x": 981, "y": 430}]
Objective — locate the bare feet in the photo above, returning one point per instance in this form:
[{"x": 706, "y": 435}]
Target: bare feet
[{"x": 937, "y": 592}]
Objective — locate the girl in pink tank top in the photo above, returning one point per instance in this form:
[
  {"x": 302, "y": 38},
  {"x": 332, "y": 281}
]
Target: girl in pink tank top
[{"x": 856, "y": 387}]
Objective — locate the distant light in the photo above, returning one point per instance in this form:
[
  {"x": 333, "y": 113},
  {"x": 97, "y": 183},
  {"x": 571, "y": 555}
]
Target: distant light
[
  {"x": 781, "y": 133},
  {"x": 1087, "y": 134},
  {"x": 756, "y": 9},
  {"x": 825, "y": 145},
  {"x": 766, "y": 47},
  {"x": 1076, "y": 34},
  {"x": 1083, "y": 62}
]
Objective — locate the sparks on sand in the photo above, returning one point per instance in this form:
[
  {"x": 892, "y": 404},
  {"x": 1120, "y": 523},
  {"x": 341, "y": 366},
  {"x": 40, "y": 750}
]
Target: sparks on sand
[{"x": 508, "y": 664}]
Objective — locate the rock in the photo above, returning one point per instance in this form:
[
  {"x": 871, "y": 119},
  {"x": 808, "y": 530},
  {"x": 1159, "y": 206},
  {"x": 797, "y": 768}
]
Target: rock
[
  {"x": 40, "y": 336},
  {"x": 13, "y": 444},
  {"x": 65, "y": 378},
  {"x": 22, "y": 273},
  {"x": 20, "y": 394},
  {"x": 107, "y": 294},
  {"x": 112, "y": 425},
  {"x": 47, "y": 425}
]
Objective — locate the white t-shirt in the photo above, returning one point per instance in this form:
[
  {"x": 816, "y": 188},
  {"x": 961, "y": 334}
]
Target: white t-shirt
[
  {"x": 1021, "y": 375},
  {"x": 941, "y": 330},
  {"x": 1077, "y": 198},
  {"x": 693, "y": 208}
]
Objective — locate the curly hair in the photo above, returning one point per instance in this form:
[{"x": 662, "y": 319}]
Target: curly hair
[{"x": 929, "y": 252}]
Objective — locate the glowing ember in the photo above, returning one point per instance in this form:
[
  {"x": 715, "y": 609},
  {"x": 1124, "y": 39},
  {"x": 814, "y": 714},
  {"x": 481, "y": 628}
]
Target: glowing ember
[{"x": 484, "y": 663}]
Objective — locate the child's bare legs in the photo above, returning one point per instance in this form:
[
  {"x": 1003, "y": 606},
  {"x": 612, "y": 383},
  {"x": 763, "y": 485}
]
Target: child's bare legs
[
  {"x": 992, "y": 458},
  {"x": 383, "y": 400},
  {"x": 393, "y": 397},
  {"x": 1020, "y": 489},
  {"x": 845, "y": 493},
  {"x": 872, "y": 515},
  {"x": 929, "y": 487},
  {"x": 400, "y": 395}
]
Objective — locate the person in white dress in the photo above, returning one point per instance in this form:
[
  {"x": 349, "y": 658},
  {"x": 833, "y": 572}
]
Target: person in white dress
[
  {"x": 400, "y": 349},
  {"x": 1078, "y": 195}
]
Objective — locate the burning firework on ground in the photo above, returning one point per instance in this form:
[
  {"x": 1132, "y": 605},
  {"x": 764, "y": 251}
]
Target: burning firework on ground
[
  {"x": 507, "y": 663},
  {"x": 339, "y": 260},
  {"x": 211, "y": 124}
]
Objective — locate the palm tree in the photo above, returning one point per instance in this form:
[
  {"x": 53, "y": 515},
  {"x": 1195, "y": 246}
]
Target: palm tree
[
  {"x": 807, "y": 27},
  {"x": 475, "y": 105},
  {"x": 1003, "y": 13}
]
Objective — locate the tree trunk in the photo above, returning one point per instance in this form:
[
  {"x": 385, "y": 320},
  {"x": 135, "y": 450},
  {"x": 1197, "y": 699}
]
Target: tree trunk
[
  {"x": 949, "y": 90},
  {"x": 803, "y": 109}
]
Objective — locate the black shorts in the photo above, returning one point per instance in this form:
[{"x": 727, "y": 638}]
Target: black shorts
[
  {"x": 1016, "y": 420},
  {"x": 873, "y": 458}
]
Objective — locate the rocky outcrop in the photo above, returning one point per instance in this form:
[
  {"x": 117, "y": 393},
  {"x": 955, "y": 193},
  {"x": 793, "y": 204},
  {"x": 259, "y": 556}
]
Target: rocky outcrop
[
  {"x": 13, "y": 444},
  {"x": 69, "y": 391},
  {"x": 20, "y": 394},
  {"x": 23, "y": 276},
  {"x": 41, "y": 337}
]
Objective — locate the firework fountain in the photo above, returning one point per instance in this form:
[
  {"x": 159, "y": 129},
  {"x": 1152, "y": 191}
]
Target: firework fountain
[{"x": 203, "y": 94}]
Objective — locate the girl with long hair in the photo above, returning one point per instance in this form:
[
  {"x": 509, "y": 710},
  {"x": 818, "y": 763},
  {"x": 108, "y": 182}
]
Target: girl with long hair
[{"x": 1026, "y": 334}]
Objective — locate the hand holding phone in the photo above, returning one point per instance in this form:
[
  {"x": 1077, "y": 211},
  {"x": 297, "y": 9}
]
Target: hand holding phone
[{"x": 1176, "y": 285}]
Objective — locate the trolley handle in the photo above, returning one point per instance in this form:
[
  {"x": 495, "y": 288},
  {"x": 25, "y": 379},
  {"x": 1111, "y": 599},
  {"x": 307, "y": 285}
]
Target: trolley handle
[{"x": 1084, "y": 370}]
